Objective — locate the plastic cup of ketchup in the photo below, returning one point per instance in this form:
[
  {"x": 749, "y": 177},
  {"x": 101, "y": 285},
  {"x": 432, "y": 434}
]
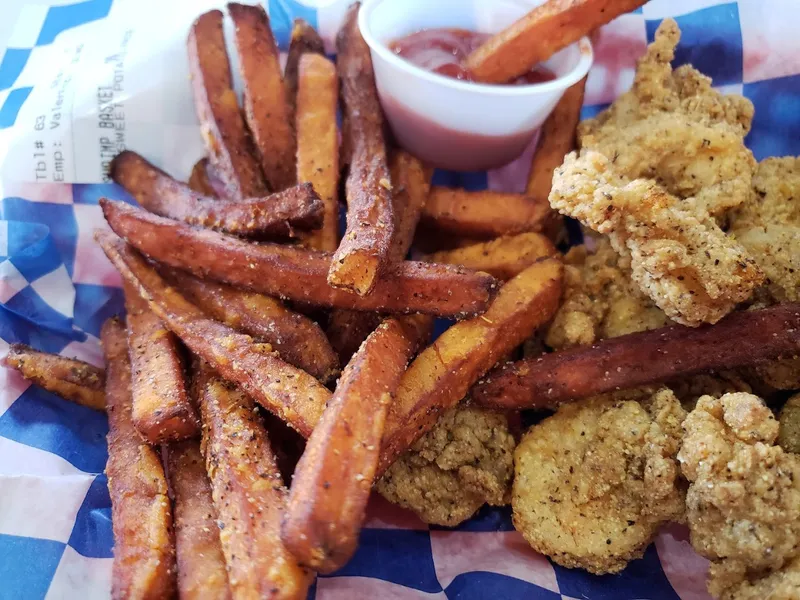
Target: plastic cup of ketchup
[{"x": 435, "y": 111}]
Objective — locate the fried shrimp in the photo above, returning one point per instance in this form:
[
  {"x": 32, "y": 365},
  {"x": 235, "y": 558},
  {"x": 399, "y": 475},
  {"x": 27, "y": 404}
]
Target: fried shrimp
[
  {"x": 594, "y": 482},
  {"x": 743, "y": 504},
  {"x": 463, "y": 463},
  {"x": 673, "y": 127},
  {"x": 679, "y": 256}
]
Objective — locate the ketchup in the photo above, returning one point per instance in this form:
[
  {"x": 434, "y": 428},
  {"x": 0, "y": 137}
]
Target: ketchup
[{"x": 444, "y": 50}]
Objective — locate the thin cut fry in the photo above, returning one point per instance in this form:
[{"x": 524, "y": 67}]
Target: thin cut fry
[
  {"x": 740, "y": 339},
  {"x": 305, "y": 40},
  {"x": 276, "y": 214},
  {"x": 318, "y": 144},
  {"x": 483, "y": 214},
  {"x": 334, "y": 477},
  {"x": 363, "y": 255},
  {"x": 292, "y": 394},
  {"x": 295, "y": 273},
  {"x": 199, "y": 180},
  {"x": 144, "y": 547},
  {"x": 71, "y": 379},
  {"x": 348, "y": 329},
  {"x": 202, "y": 573},
  {"x": 504, "y": 257},
  {"x": 264, "y": 97},
  {"x": 161, "y": 410},
  {"x": 249, "y": 496},
  {"x": 297, "y": 339},
  {"x": 227, "y": 140},
  {"x": 541, "y": 33},
  {"x": 442, "y": 373},
  {"x": 556, "y": 140}
]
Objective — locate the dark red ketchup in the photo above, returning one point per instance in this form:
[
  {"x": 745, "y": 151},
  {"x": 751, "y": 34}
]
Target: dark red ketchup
[{"x": 443, "y": 51}]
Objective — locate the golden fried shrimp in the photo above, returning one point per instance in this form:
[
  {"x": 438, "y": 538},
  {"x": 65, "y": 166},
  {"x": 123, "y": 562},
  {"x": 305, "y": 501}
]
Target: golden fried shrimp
[
  {"x": 464, "y": 462},
  {"x": 679, "y": 257},
  {"x": 594, "y": 482},
  {"x": 743, "y": 503}
]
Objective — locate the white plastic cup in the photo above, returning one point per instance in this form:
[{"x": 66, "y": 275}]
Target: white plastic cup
[{"x": 454, "y": 124}]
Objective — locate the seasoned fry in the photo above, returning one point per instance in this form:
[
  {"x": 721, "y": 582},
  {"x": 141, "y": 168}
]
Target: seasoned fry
[
  {"x": 249, "y": 496},
  {"x": 556, "y": 140},
  {"x": 655, "y": 356},
  {"x": 201, "y": 565},
  {"x": 541, "y": 33},
  {"x": 334, "y": 477},
  {"x": 297, "y": 339},
  {"x": 348, "y": 329},
  {"x": 199, "y": 181},
  {"x": 504, "y": 257},
  {"x": 276, "y": 214},
  {"x": 484, "y": 214},
  {"x": 442, "y": 373},
  {"x": 305, "y": 40},
  {"x": 161, "y": 411},
  {"x": 318, "y": 144},
  {"x": 264, "y": 97},
  {"x": 144, "y": 547},
  {"x": 363, "y": 254},
  {"x": 294, "y": 273},
  {"x": 228, "y": 144},
  {"x": 292, "y": 394},
  {"x": 69, "y": 378}
]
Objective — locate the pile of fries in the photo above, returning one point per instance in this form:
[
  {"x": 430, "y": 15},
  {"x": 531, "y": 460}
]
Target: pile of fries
[{"x": 240, "y": 296}]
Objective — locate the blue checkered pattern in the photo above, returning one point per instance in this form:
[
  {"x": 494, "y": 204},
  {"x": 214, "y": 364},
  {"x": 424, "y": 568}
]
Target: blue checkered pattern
[{"x": 56, "y": 289}]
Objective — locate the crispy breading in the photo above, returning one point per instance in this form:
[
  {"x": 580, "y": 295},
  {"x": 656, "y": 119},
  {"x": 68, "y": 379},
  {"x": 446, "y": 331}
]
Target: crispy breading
[
  {"x": 743, "y": 504},
  {"x": 789, "y": 433},
  {"x": 594, "y": 482},
  {"x": 678, "y": 254},
  {"x": 202, "y": 573},
  {"x": 144, "y": 545},
  {"x": 71, "y": 379},
  {"x": 673, "y": 127},
  {"x": 464, "y": 462},
  {"x": 600, "y": 300}
]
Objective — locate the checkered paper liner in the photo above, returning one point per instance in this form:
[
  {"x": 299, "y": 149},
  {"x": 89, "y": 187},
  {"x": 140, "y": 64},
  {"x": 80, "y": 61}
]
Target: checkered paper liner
[{"x": 56, "y": 289}]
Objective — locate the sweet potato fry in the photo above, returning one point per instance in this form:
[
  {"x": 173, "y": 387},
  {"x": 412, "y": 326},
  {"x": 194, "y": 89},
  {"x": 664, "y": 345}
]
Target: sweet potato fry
[
  {"x": 348, "y": 329},
  {"x": 556, "y": 140},
  {"x": 292, "y": 394},
  {"x": 541, "y": 33},
  {"x": 442, "y": 373},
  {"x": 161, "y": 410},
  {"x": 504, "y": 257},
  {"x": 305, "y": 40},
  {"x": 295, "y": 273},
  {"x": 202, "y": 573},
  {"x": 228, "y": 143},
  {"x": 144, "y": 547},
  {"x": 318, "y": 144},
  {"x": 484, "y": 214},
  {"x": 740, "y": 339},
  {"x": 363, "y": 254},
  {"x": 297, "y": 339},
  {"x": 71, "y": 379},
  {"x": 249, "y": 496},
  {"x": 264, "y": 97},
  {"x": 331, "y": 485},
  {"x": 276, "y": 214},
  {"x": 199, "y": 181}
]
